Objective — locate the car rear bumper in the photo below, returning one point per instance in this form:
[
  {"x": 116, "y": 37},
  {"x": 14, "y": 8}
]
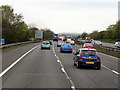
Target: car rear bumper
[
  {"x": 45, "y": 47},
  {"x": 72, "y": 43},
  {"x": 59, "y": 45},
  {"x": 83, "y": 63},
  {"x": 66, "y": 50}
]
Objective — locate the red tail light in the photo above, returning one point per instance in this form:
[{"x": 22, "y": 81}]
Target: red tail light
[
  {"x": 71, "y": 48},
  {"x": 80, "y": 58},
  {"x": 61, "y": 47},
  {"x": 98, "y": 58}
]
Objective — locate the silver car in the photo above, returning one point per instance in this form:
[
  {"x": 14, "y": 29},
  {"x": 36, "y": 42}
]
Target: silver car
[{"x": 117, "y": 44}]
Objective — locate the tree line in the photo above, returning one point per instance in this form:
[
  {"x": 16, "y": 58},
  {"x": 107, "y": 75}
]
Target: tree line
[
  {"x": 112, "y": 33},
  {"x": 14, "y": 28}
]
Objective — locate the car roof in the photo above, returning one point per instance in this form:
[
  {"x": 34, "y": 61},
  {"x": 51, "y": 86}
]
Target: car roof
[
  {"x": 118, "y": 41},
  {"x": 66, "y": 44},
  {"x": 87, "y": 49},
  {"x": 88, "y": 43},
  {"x": 45, "y": 41}
]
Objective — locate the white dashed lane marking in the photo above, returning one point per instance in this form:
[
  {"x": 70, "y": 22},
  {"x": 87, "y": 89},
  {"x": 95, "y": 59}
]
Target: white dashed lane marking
[{"x": 63, "y": 70}]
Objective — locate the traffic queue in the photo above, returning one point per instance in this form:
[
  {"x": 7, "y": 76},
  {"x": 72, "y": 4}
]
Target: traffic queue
[{"x": 85, "y": 56}]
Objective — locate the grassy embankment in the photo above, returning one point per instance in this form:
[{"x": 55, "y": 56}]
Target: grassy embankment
[
  {"x": 13, "y": 47},
  {"x": 109, "y": 40}
]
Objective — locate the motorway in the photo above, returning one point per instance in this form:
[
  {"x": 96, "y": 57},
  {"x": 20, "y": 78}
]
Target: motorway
[
  {"x": 52, "y": 69},
  {"x": 109, "y": 44},
  {"x": 104, "y": 44}
]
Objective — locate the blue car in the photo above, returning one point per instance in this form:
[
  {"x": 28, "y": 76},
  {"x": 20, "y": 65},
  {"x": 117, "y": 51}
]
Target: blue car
[
  {"x": 87, "y": 57},
  {"x": 66, "y": 47},
  {"x": 45, "y": 45}
]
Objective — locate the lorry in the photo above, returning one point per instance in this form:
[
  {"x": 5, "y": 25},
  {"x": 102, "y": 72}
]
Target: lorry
[
  {"x": 55, "y": 37},
  {"x": 65, "y": 37},
  {"x": 62, "y": 37}
]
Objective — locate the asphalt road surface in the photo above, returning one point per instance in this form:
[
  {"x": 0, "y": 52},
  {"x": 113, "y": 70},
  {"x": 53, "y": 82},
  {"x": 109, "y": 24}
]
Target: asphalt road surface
[
  {"x": 108, "y": 44},
  {"x": 52, "y": 69}
]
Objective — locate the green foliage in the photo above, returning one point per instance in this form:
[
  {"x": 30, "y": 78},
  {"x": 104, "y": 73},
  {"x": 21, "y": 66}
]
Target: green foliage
[
  {"x": 111, "y": 34},
  {"x": 94, "y": 34},
  {"x": 14, "y": 29},
  {"x": 47, "y": 34},
  {"x": 84, "y": 34}
]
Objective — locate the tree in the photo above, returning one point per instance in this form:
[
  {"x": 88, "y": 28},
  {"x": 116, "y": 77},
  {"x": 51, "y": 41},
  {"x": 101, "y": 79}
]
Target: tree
[
  {"x": 14, "y": 29},
  {"x": 94, "y": 34},
  {"x": 84, "y": 34},
  {"x": 47, "y": 34},
  {"x": 33, "y": 29}
]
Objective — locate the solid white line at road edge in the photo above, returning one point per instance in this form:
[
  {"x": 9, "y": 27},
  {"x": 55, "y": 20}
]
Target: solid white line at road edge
[
  {"x": 13, "y": 64},
  {"x": 111, "y": 70}
]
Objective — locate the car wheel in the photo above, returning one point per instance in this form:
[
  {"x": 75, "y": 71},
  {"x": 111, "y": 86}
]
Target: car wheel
[
  {"x": 49, "y": 48},
  {"x": 78, "y": 65},
  {"x": 74, "y": 64},
  {"x": 98, "y": 67}
]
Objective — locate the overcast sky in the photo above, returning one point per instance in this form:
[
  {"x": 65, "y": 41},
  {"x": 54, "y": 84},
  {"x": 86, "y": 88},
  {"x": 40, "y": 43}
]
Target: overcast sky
[{"x": 67, "y": 15}]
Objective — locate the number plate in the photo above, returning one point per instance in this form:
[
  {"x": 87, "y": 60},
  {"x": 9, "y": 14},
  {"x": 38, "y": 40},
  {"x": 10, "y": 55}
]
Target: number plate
[
  {"x": 89, "y": 62},
  {"x": 66, "y": 48}
]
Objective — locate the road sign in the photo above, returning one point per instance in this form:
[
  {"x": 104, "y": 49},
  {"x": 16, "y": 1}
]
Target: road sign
[
  {"x": 2, "y": 41},
  {"x": 39, "y": 34}
]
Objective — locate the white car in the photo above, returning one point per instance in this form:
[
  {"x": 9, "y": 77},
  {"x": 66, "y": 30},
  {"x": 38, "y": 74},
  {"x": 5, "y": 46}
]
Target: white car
[
  {"x": 97, "y": 42},
  {"x": 72, "y": 42},
  {"x": 68, "y": 40},
  {"x": 117, "y": 44}
]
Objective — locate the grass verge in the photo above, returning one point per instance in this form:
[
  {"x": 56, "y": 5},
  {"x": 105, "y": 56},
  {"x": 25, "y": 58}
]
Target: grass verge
[
  {"x": 108, "y": 40},
  {"x": 108, "y": 52},
  {"x": 13, "y": 47}
]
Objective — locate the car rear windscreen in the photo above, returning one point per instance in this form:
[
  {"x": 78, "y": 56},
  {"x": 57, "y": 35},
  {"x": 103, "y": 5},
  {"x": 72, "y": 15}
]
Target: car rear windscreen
[
  {"x": 46, "y": 43},
  {"x": 89, "y": 45},
  {"x": 88, "y": 53}
]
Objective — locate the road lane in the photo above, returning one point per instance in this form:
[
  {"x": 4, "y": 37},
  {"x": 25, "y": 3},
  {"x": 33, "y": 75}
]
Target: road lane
[
  {"x": 8, "y": 57},
  {"x": 85, "y": 77},
  {"x": 107, "y": 60},
  {"x": 108, "y": 44},
  {"x": 39, "y": 69}
]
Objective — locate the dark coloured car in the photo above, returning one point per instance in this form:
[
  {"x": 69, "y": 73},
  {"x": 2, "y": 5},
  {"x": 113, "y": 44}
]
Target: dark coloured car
[{"x": 87, "y": 57}]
